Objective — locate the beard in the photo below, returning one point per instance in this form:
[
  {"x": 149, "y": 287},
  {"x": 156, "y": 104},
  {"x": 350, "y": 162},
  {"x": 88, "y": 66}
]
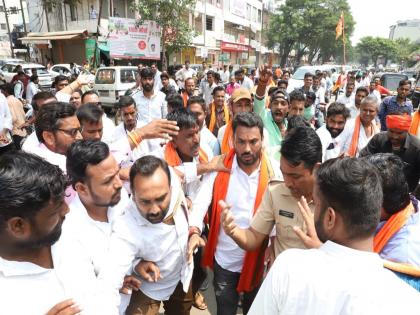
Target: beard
[
  {"x": 99, "y": 201},
  {"x": 334, "y": 131},
  {"x": 44, "y": 241},
  {"x": 147, "y": 87},
  {"x": 248, "y": 158}
]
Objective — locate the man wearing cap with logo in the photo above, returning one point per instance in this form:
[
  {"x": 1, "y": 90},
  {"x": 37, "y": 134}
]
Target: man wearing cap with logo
[
  {"x": 240, "y": 102},
  {"x": 273, "y": 117},
  {"x": 397, "y": 140}
]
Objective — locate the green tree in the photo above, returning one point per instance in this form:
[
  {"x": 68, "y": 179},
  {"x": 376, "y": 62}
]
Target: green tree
[
  {"x": 375, "y": 47},
  {"x": 308, "y": 27},
  {"x": 172, "y": 16},
  {"x": 405, "y": 48}
]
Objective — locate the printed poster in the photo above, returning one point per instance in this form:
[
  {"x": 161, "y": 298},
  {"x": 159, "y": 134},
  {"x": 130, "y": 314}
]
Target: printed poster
[{"x": 127, "y": 40}]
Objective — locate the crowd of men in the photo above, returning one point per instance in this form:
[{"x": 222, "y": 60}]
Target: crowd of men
[{"x": 298, "y": 204}]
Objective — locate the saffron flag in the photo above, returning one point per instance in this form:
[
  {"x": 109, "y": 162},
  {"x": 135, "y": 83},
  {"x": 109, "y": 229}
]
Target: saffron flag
[{"x": 340, "y": 26}]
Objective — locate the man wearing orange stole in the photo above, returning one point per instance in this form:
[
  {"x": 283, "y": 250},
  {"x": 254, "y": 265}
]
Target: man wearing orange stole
[
  {"x": 240, "y": 101},
  {"x": 397, "y": 238},
  {"x": 364, "y": 127},
  {"x": 236, "y": 270},
  {"x": 398, "y": 141}
]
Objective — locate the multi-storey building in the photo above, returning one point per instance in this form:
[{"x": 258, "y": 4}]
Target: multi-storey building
[{"x": 227, "y": 31}]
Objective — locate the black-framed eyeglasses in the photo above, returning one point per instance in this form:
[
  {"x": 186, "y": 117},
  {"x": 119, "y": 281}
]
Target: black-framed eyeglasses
[{"x": 71, "y": 132}]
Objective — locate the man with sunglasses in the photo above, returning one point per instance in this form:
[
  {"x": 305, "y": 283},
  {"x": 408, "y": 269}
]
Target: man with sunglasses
[
  {"x": 56, "y": 127},
  {"x": 273, "y": 117}
]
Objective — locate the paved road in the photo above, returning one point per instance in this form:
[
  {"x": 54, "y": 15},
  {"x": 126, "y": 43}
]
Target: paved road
[{"x": 210, "y": 300}]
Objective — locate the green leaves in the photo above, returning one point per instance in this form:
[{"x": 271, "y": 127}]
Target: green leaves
[
  {"x": 308, "y": 27},
  {"x": 172, "y": 16}
]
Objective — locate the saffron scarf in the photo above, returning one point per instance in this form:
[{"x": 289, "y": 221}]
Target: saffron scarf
[
  {"x": 173, "y": 159},
  {"x": 253, "y": 265},
  {"x": 227, "y": 142},
  {"x": 185, "y": 98},
  {"x": 355, "y": 138},
  {"x": 392, "y": 226},
  {"x": 213, "y": 115},
  {"x": 415, "y": 124}
]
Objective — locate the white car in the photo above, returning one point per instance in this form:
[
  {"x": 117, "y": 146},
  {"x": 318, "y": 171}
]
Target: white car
[
  {"x": 112, "y": 82},
  {"x": 44, "y": 76},
  {"x": 296, "y": 80},
  {"x": 64, "y": 69}
]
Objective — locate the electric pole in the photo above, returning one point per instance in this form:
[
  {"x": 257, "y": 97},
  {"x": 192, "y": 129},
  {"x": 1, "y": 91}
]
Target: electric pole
[{"x": 8, "y": 28}]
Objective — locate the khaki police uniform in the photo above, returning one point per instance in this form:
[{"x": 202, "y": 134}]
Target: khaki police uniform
[{"x": 280, "y": 209}]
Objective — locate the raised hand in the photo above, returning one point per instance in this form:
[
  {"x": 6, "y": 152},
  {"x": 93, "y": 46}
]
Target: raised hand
[
  {"x": 310, "y": 238},
  {"x": 159, "y": 128}
]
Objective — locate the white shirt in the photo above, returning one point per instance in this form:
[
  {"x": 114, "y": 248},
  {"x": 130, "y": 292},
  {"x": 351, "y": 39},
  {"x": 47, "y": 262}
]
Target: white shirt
[
  {"x": 72, "y": 277},
  {"x": 207, "y": 138},
  {"x": 333, "y": 280},
  {"x": 241, "y": 195},
  {"x": 6, "y": 119},
  {"x": 354, "y": 111},
  {"x": 344, "y": 99},
  {"x": 375, "y": 93},
  {"x": 331, "y": 147},
  {"x": 157, "y": 84},
  {"x": 225, "y": 76},
  {"x": 363, "y": 139},
  {"x": 52, "y": 157},
  {"x": 108, "y": 129},
  {"x": 31, "y": 90},
  {"x": 19, "y": 89},
  {"x": 183, "y": 74},
  {"x": 93, "y": 236},
  {"x": 247, "y": 83},
  {"x": 150, "y": 108},
  {"x": 207, "y": 91},
  {"x": 320, "y": 95},
  {"x": 134, "y": 237},
  {"x": 31, "y": 143},
  {"x": 221, "y": 134}
]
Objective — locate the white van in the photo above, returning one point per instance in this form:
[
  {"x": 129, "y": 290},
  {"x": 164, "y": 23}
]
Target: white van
[
  {"x": 112, "y": 82},
  {"x": 296, "y": 80}
]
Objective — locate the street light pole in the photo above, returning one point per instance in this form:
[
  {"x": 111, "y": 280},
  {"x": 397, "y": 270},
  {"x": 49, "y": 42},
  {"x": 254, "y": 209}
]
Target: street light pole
[{"x": 8, "y": 28}]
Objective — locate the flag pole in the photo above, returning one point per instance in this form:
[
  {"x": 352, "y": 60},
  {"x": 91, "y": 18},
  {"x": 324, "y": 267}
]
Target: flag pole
[{"x": 344, "y": 42}]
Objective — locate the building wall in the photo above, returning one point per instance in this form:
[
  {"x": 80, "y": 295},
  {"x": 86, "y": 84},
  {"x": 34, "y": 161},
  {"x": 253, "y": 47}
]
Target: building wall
[{"x": 406, "y": 29}]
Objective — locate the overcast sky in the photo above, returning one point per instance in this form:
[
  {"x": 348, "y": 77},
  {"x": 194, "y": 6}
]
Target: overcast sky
[{"x": 374, "y": 17}]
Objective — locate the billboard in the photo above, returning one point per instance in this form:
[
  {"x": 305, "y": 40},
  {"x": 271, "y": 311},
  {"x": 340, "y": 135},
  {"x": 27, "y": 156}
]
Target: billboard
[
  {"x": 238, "y": 7},
  {"x": 127, "y": 40}
]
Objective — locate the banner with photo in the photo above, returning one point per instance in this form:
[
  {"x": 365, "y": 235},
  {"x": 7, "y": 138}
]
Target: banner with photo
[{"x": 128, "y": 40}]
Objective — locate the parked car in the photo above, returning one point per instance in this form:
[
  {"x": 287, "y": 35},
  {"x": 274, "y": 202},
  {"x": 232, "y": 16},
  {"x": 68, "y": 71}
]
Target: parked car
[
  {"x": 64, "y": 69},
  {"x": 391, "y": 80},
  {"x": 113, "y": 82},
  {"x": 44, "y": 76},
  {"x": 11, "y": 60},
  {"x": 296, "y": 80}
]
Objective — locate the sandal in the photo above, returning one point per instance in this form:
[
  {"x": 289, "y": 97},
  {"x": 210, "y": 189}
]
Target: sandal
[{"x": 199, "y": 301}]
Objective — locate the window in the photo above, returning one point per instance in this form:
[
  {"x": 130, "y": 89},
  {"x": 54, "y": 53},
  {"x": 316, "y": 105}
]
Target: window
[
  {"x": 128, "y": 75},
  {"x": 248, "y": 12},
  {"x": 105, "y": 76},
  {"x": 259, "y": 16},
  {"x": 3, "y": 26},
  {"x": 1, "y": 8},
  {"x": 209, "y": 23}
]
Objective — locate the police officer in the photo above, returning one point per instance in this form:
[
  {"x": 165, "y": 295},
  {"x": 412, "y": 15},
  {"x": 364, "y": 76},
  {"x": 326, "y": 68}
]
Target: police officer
[{"x": 301, "y": 154}]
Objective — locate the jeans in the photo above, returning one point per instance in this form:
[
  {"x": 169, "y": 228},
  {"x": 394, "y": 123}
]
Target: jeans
[{"x": 227, "y": 298}]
